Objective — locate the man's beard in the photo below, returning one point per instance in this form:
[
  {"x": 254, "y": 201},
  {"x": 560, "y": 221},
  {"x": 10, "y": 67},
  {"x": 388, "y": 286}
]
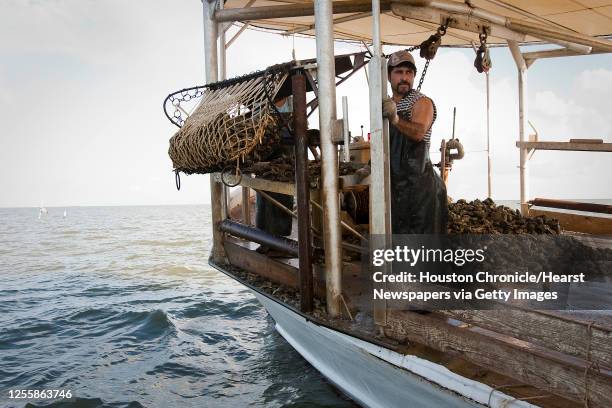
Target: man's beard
[{"x": 403, "y": 88}]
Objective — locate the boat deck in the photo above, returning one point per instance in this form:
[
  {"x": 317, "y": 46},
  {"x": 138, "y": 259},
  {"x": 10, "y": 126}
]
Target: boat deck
[
  {"x": 549, "y": 358},
  {"x": 577, "y": 346}
]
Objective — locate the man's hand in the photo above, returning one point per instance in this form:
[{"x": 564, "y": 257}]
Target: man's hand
[{"x": 389, "y": 111}]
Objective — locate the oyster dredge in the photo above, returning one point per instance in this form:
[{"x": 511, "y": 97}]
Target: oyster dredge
[{"x": 302, "y": 260}]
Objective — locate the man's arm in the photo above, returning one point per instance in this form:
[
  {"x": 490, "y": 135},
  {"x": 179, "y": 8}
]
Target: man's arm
[{"x": 421, "y": 120}]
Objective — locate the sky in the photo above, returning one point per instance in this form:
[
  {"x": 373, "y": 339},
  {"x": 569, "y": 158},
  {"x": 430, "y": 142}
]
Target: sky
[{"x": 82, "y": 85}]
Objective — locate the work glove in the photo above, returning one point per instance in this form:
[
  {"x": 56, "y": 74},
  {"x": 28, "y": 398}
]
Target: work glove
[
  {"x": 389, "y": 111},
  {"x": 363, "y": 172}
]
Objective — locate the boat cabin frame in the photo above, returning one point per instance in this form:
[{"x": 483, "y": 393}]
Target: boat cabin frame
[{"x": 572, "y": 363}]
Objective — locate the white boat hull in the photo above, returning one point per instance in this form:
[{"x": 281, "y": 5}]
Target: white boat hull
[{"x": 377, "y": 377}]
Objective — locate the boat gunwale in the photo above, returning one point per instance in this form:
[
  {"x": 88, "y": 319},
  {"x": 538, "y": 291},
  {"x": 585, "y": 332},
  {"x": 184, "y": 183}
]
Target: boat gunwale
[{"x": 308, "y": 318}]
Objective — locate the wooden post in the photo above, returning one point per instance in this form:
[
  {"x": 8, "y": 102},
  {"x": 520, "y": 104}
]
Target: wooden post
[{"x": 302, "y": 189}]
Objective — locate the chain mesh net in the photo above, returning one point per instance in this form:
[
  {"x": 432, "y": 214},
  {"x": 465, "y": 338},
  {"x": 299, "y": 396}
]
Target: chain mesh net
[{"x": 236, "y": 122}]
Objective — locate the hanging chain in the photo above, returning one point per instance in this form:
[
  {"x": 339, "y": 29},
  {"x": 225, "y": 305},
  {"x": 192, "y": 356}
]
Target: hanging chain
[
  {"x": 423, "y": 75},
  {"x": 429, "y": 48},
  {"x": 483, "y": 58},
  {"x": 174, "y": 101}
]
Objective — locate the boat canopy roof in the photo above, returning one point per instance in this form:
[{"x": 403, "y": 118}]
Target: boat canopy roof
[{"x": 409, "y": 22}]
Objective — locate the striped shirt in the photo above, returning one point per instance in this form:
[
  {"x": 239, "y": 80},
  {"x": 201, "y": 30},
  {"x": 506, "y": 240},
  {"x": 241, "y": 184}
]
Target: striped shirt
[{"x": 404, "y": 110}]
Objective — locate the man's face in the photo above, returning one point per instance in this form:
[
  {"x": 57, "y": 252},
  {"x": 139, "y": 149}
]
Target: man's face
[{"x": 401, "y": 79}]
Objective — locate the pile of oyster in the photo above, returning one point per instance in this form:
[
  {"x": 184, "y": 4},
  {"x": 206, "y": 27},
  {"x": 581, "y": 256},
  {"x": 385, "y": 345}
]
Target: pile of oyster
[{"x": 485, "y": 217}]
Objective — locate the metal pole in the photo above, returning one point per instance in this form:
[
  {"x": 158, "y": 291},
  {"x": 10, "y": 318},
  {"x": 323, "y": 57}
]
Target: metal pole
[
  {"x": 522, "y": 88},
  {"x": 210, "y": 65},
  {"x": 454, "y": 120},
  {"x": 345, "y": 129},
  {"x": 259, "y": 236},
  {"x": 222, "y": 53},
  {"x": 223, "y": 76},
  {"x": 246, "y": 194},
  {"x": 489, "y": 169},
  {"x": 380, "y": 204},
  {"x": 329, "y": 154},
  {"x": 302, "y": 190},
  {"x": 246, "y": 206}
]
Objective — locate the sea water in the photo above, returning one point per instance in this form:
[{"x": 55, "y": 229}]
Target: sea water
[{"x": 118, "y": 306}]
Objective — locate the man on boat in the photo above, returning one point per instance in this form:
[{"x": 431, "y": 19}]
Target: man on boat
[
  {"x": 268, "y": 217},
  {"x": 418, "y": 195}
]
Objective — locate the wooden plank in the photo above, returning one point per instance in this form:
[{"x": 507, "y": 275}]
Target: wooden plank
[
  {"x": 564, "y": 335},
  {"x": 546, "y": 370},
  {"x": 261, "y": 265},
  {"x": 596, "y": 141},
  {"x": 579, "y": 147},
  {"x": 578, "y": 223},
  {"x": 572, "y": 205},
  {"x": 266, "y": 267},
  {"x": 258, "y": 183}
]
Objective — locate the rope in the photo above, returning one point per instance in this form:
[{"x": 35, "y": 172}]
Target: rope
[{"x": 236, "y": 122}]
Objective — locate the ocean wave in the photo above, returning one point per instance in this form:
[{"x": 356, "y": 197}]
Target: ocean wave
[
  {"x": 92, "y": 315},
  {"x": 218, "y": 308},
  {"x": 122, "y": 325},
  {"x": 23, "y": 336},
  {"x": 154, "y": 324},
  {"x": 137, "y": 319},
  {"x": 177, "y": 370}
]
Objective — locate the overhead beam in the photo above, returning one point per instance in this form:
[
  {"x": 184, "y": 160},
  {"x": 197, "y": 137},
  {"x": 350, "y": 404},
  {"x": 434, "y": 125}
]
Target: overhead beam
[
  {"x": 514, "y": 24},
  {"x": 552, "y": 34},
  {"x": 530, "y": 56},
  {"x": 225, "y": 27},
  {"x": 345, "y": 19},
  {"x": 292, "y": 10},
  {"x": 457, "y": 21},
  {"x": 577, "y": 38},
  {"x": 475, "y": 25},
  {"x": 579, "y": 48},
  {"x": 431, "y": 26}
]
